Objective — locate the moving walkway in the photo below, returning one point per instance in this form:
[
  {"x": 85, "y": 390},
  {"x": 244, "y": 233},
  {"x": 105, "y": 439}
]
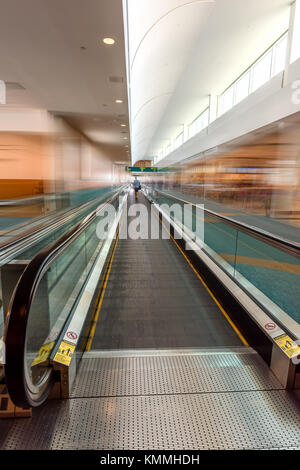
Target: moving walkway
[{"x": 151, "y": 344}]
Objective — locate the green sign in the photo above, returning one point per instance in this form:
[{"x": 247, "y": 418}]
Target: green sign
[{"x": 148, "y": 169}]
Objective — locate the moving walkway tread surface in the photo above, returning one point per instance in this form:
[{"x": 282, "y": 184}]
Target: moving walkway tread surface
[{"x": 153, "y": 299}]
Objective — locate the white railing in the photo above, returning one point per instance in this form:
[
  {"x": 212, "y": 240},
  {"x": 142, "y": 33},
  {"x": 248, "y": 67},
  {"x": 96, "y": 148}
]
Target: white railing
[
  {"x": 178, "y": 141},
  {"x": 267, "y": 66},
  {"x": 200, "y": 123}
]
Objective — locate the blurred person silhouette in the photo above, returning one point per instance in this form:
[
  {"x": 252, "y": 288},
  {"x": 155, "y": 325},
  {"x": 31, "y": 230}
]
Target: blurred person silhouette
[{"x": 136, "y": 187}]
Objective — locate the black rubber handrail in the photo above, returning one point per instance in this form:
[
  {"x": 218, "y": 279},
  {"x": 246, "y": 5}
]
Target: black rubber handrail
[
  {"x": 288, "y": 246},
  {"x": 19, "y": 311}
]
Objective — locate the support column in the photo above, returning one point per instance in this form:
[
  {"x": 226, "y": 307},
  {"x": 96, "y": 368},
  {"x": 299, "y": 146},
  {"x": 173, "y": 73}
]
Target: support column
[
  {"x": 213, "y": 107},
  {"x": 295, "y": 7}
]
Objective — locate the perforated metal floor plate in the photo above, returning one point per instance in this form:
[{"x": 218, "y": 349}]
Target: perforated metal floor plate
[
  {"x": 154, "y": 374},
  {"x": 165, "y": 400},
  {"x": 239, "y": 420}
]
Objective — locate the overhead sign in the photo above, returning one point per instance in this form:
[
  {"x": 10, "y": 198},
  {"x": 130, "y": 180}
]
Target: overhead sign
[
  {"x": 149, "y": 169},
  {"x": 2, "y": 92}
]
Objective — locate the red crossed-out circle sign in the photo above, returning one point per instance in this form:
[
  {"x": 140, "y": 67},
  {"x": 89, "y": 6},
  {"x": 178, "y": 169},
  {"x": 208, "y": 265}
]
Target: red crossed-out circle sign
[
  {"x": 72, "y": 335},
  {"x": 270, "y": 326}
]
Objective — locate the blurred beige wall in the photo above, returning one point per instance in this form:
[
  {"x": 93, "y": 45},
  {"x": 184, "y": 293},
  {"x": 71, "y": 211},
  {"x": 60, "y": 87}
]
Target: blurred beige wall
[{"x": 49, "y": 156}]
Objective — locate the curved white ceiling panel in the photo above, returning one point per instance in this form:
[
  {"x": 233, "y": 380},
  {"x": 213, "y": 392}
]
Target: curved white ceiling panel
[
  {"x": 181, "y": 51},
  {"x": 159, "y": 48}
]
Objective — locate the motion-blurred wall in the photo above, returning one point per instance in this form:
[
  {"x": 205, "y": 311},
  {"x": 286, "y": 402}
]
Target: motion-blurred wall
[{"x": 41, "y": 153}]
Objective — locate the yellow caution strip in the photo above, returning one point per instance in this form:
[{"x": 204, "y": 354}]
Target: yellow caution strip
[
  {"x": 102, "y": 292},
  {"x": 240, "y": 335}
]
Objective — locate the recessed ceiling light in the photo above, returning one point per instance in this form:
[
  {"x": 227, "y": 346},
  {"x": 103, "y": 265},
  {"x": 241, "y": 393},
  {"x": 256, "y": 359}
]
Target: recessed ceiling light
[
  {"x": 119, "y": 101},
  {"x": 125, "y": 138},
  {"x": 123, "y": 125},
  {"x": 109, "y": 41}
]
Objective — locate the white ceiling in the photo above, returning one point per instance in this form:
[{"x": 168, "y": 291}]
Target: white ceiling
[
  {"x": 181, "y": 51},
  {"x": 41, "y": 48}
]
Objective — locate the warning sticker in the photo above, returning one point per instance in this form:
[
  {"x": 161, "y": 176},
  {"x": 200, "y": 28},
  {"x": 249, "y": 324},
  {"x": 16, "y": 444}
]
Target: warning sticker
[
  {"x": 72, "y": 335},
  {"x": 65, "y": 353},
  {"x": 43, "y": 353},
  {"x": 270, "y": 326},
  {"x": 287, "y": 345}
]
